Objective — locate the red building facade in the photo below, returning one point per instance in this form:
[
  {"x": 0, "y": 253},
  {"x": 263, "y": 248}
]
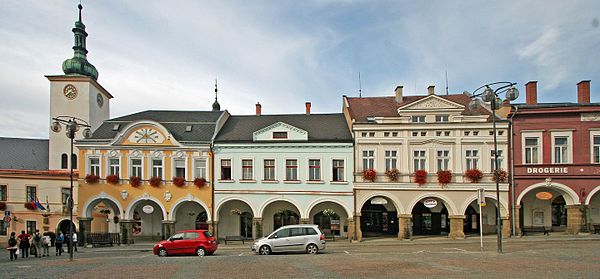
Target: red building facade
[{"x": 556, "y": 155}]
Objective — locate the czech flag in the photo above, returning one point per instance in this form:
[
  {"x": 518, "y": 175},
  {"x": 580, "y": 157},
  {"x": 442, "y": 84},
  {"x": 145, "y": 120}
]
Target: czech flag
[{"x": 39, "y": 205}]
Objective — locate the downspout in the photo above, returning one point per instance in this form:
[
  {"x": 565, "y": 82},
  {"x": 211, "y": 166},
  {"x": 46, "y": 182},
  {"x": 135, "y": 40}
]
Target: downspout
[
  {"x": 512, "y": 172},
  {"x": 212, "y": 190}
]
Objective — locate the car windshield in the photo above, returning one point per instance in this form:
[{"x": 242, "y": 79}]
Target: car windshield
[{"x": 177, "y": 236}]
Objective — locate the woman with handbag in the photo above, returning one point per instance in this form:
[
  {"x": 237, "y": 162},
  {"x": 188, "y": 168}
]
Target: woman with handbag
[{"x": 12, "y": 246}]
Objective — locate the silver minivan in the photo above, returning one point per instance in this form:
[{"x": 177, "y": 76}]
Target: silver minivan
[{"x": 291, "y": 238}]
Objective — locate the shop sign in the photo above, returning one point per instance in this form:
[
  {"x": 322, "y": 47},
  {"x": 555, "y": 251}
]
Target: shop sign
[
  {"x": 148, "y": 209},
  {"x": 430, "y": 203},
  {"x": 562, "y": 170},
  {"x": 544, "y": 195},
  {"x": 378, "y": 200}
]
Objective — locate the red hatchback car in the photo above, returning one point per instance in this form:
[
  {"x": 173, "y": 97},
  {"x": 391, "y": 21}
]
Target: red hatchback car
[{"x": 199, "y": 242}]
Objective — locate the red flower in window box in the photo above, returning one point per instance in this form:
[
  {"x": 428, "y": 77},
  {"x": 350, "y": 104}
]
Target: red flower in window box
[
  {"x": 369, "y": 174},
  {"x": 92, "y": 179},
  {"x": 500, "y": 175},
  {"x": 474, "y": 175},
  {"x": 29, "y": 205},
  {"x": 420, "y": 177},
  {"x": 393, "y": 174},
  {"x": 2, "y": 205},
  {"x": 200, "y": 182},
  {"x": 113, "y": 179},
  {"x": 444, "y": 177},
  {"x": 178, "y": 181},
  {"x": 135, "y": 181},
  {"x": 155, "y": 181}
]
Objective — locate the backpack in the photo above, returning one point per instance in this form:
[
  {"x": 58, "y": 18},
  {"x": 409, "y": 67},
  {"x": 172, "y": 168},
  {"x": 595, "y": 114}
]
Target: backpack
[
  {"x": 59, "y": 238},
  {"x": 37, "y": 238},
  {"x": 12, "y": 242}
]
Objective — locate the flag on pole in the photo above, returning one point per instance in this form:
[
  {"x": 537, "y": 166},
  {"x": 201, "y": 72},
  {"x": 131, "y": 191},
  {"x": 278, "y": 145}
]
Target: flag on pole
[{"x": 39, "y": 205}]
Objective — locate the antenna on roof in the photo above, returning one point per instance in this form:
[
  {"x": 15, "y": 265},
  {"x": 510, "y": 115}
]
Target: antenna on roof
[
  {"x": 359, "y": 86},
  {"x": 446, "y": 82}
]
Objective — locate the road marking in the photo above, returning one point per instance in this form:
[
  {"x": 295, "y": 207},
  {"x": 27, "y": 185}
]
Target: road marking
[
  {"x": 23, "y": 266},
  {"x": 347, "y": 252}
]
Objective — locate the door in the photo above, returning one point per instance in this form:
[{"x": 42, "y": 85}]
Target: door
[
  {"x": 280, "y": 240},
  {"x": 190, "y": 242},
  {"x": 175, "y": 244},
  {"x": 297, "y": 239}
]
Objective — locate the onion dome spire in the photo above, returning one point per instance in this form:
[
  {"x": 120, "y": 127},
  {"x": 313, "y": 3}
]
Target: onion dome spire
[
  {"x": 78, "y": 65},
  {"x": 216, "y": 105}
]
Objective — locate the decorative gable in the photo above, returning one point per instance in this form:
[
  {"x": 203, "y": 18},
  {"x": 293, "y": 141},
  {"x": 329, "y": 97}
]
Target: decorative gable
[
  {"x": 431, "y": 103},
  {"x": 280, "y": 132}
]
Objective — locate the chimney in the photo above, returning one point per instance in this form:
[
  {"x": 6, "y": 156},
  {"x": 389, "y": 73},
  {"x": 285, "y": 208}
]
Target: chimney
[
  {"x": 258, "y": 109},
  {"x": 583, "y": 92},
  {"x": 398, "y": 94},
  {"x": 307, "y": 104},
  {"x": 531, "y": 93},
  {"x": 431, "y": 90}
]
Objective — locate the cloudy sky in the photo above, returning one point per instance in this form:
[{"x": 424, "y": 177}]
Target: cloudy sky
[{"x": 166, "y": 54}]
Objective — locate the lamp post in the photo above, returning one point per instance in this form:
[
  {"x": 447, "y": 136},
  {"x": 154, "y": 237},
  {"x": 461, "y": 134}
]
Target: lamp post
[
  {"x": 490, "y": 93},
  {"x": 72, "y": 125}
]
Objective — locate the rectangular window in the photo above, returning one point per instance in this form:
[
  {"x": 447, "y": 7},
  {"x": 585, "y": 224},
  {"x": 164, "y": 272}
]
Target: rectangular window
[
  {"x": 226, "y": 169},
  {"x": 3, "y": 193},
  {"x": 394, "y": 134},
  {"x": 391, "y": 159},
  {"x": 114, "y": 166},
  {"x": 472, "y": 159},
  {"x": 31, "y": 193},
  {"x": 371, "y": 134},
  {"x": 443, "y": 159},
  {"x": 280, "y": 135},
  {"x": 368, "y": 159},
  {"x": 314, "y": 170},
  {"x": 561, "y": 145},
  {"x": 291, "y": 169},
  {"x": 199, "y": 168},
  {"x": 94, "y": 166},
  {"x": 3, "y": 228},
  {"x": 247, "y": 170},
  {"x": 179, "y": 167},
  {"x": 531, "y": 150},
  {"x": 441, "y": 118},
  {"x": 500, "y": 159},
  {"x": 31, "y": 227},
  {"x": 157, "y": 168},
  {"x": 136, "y": 167},
  {"x": 418, "y": 119},
  {"x": 596, "y": 149},
  {"x": 419, "y": 160},
  {"x": 447, "y": 133},
  {"x": 338, "y": 170},
  {"x": 64, "y": 195},
  {"x": 269, "y": 170}
]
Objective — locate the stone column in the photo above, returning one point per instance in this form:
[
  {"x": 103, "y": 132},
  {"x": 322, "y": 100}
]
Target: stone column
[
  {"x": 168, "y": 228},
  {"x": 214, "y": 228},
  {"x": 257, "y": 228},
  {"x": 457, "y": 226},
  {"x": 574, "y": 219},
  {"x": 304, "y": 221},
  {"x": 85, "y": 227},
  {"x": 127, "y": 231},
  {"x": 405, "y": 226},
  {"x": 350, "y": 232},
  {"x": 505, "y": 227},
  {"x": 517, "y": 219},
  {"x": 358, "y": 230}
]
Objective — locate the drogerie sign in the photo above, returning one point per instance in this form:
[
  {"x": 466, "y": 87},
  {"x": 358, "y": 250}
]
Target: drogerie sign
[{"x": 562, "y": 170}]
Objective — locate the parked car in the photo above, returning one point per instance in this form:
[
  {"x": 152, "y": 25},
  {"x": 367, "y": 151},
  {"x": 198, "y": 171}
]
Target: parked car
[
  {"x": 291, "y": 238},
  {"x": 198, "y": 242}
]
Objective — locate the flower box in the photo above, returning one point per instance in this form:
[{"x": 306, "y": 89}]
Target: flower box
[
  {"x": 155, "y": 181},
  {"x": 92, "y": 179},
  {"x": 474, "y": 175},
  {"x": 200, "y": 182},
  {"x": 178, "y": 181},
  {"x": 135, "y": 181},
  {"x": 420, "y": 177},
  {"x": 501, "y": 176},
  {"x": 2, "y": 205},
  {"x": 369, "y": 174},
  {"x": 393, "y": 174},
  {"x": 113, "y": 179},
  {"x": 29, "y": 205},
  {"x": 444, "y": 177}
]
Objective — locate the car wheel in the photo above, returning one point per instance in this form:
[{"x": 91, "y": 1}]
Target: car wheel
[
  {"x": 162, "y": 252},
  {"x": 312, "y": 249},
  {"x": 264, "y": 250},
  {"x": 200, "y": 252}
]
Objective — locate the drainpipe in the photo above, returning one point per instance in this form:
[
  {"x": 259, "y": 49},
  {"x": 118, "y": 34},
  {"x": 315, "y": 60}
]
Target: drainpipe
[
  {"x": 512, "y": 172},
  {"x": 356, "y": 226},
  {"x": 212, "y": 190}
]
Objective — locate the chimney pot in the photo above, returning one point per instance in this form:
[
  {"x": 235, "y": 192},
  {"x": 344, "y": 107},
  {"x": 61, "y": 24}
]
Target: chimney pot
[
  {"x": 531, "y": 93},
  {"x": 307, "y": 104},
  {"x": 258, "y": 109},
  {"x": 431, "y": 90},
  {"x": 583, "y": 92},
  {"x": 398, "y": 92}
]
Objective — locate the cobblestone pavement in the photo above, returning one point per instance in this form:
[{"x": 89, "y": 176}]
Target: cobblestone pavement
[{"x": 534, "y": 258}]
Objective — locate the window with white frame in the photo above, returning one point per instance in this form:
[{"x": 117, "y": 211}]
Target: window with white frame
[
  {"x": 157, "y": 168},
  {"x": 94, "y": 165},
  {"x": 269, "y": 169},
  {"x": 114, "y": 166},
  {"x": 247, "y": 169},
  {"x": 226, "y": 169},
  {"x": 31, "y": 193},
  {"x": 199, "y": 168},
  {"x": 136, "y": 167},
  {"x": 443, "y": 159},
  {"x": 441, "y": 118},
  {"x": 532, "y": 150},
  {"x": 561, "y": 149},
  {"x": 179, "y": 165},
  {"x": 472, "y": 159},
  {"x": 419, "y": 160},
  {"x": 314, "y": 170},
  {"x": 391, "y": 160},
  {"x": 291, "y": 169},
  {"x": 338, "y": 170},
  {"x": 368, "y": 158},
  {"x": 418, "y": 119},
  {"x": 596, "y": 149},
  {"x": 500, "y": 159}
]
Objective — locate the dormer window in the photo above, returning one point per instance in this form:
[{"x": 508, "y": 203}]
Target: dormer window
[
  {"x": 441, "y": 118},
  {"x": 280, "y": 135},
  {"x": 418, "y": 119}
]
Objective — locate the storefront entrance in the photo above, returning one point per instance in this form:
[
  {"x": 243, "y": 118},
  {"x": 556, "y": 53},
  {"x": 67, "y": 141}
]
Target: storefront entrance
[
  {"x": 378, "y": 217},
  {"x": 426, "y": 221},
  {"x": 559, "y": 214}
]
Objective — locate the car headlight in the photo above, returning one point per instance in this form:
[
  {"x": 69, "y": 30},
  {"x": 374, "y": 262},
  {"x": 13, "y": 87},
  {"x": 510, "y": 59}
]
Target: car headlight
[{"x": 159, "y": 245}]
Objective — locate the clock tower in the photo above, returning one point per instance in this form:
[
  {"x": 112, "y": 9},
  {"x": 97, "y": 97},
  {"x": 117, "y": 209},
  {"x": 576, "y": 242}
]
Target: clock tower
[{"x": 77, "y": 93}]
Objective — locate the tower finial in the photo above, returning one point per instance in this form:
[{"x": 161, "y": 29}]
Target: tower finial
[
  {"x": 80, "y": 8},
  {"x": 216, "y": 105},
  {"x": 79, "y": 65}
]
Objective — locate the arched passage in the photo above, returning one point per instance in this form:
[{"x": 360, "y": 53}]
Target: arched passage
[
  {"x": 593, "y": 203},
  {"x": 190, "y": 215},
  {"x": 63, "y": 226},
  {"x": 431, "y": 214},
  {"x": 331, "y": 217},
  {"x": 488, "y": 220},
  {"x": 279, "y": 213},
  {"x": 547, "y": 205},
  {"x": 102, "y": 210},
  {"x": 147, "y": 215},
  {"x": 379, "y": 217},
  {"x": 235, "y": 219}
]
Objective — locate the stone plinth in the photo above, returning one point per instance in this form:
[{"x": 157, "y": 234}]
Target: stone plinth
[{"x": 457, "y": 227}]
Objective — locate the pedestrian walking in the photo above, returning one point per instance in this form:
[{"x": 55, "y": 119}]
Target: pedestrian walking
[
  {"x": 75, "y": 240},
  {"x": 46, "y": 243},
  {"x": 12, "y": 246},
  {"x": 59, "y": 242},
  {"x": 24, "y": 244},
  {"x": 68, "y": 242},
  {"x": 37, "y": 243}
]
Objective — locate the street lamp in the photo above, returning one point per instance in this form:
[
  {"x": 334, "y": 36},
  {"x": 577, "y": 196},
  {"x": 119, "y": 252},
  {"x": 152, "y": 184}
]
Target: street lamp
[
  {"x": 72, "y": 125},
  {"x": 490, "y": 93}
]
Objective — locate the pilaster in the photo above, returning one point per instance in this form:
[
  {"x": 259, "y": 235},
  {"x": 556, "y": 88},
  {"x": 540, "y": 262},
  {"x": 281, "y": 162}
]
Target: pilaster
[
  {"x": 574, "y": 218},
  {"x": 168, "y": 228},
  {"x": 358, "y": 230},
  {"x": 505, "y": 227},
  {"x": 405, "y": 226},
  {"x": 350, "y": 223},
  {"x": 457, "y": 226},
  {"x": 257, "y": 228}
]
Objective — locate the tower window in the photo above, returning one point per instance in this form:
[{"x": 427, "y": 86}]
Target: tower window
[
  {"x": 64, "y": 161},
  {"x": 74, "y": 161}
]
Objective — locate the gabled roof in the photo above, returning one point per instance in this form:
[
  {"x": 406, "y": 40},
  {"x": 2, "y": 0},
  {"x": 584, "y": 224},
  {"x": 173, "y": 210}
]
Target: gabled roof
[
  {"x": 320, "y": 127},
  {"x": 203, "y": 124},
  {"x": 361, "y": 108},
  {"x": 23, "y": 154}
]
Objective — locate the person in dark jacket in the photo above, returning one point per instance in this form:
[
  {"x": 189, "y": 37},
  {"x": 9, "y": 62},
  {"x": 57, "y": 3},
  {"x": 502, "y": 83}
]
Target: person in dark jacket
[
  {"x": 12, "y": 246},
  {"x": 24, "y": 244}
]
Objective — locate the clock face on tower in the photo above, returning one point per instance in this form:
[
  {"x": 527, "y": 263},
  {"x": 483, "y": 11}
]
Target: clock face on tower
[
  {"x": 99, "y": 100},
  {"x": 70, "y": 91},
  {"x": 147, "y": 135}
]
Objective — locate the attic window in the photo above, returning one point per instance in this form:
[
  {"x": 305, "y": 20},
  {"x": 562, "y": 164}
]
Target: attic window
[
  {"x": 280, "y": 135},
  {"x": 370, "y": 118},
  {"x": 418, "y": 119},
  {"x": 188, "y": 128},
  {"x": 116, "y": 127}
]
